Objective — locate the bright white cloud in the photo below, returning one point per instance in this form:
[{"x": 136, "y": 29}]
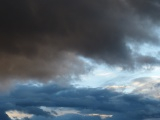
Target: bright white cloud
[
  {"x": 14, "y": 114},
  {"x": 102, "y": 116}
]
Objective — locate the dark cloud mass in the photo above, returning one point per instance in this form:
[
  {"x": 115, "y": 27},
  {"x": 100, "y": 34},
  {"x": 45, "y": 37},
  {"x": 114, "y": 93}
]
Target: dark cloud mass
[
  {"x": 28, "y": 99},
  {"x": 147, "y": 8},
  {"x": 37, "y": 35}
]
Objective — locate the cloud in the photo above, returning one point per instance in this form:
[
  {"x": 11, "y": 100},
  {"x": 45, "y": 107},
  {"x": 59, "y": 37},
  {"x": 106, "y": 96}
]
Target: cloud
[
  {"x": 18, "y": 115},
  {"x": 87, "y": 101},
  {"x": 149, "y": 86},
  {"x": 146, "y": 61},
  {"x": 147, "y": 8},
  {"x": 77, "y": 117},
  {"x": 3, "y": 115},
  {"x": 36, "y": 36},
  {"x": 61, "y": 69},
  {"x": 39, "y": 118},
  {"x": 65, "y": 117}
]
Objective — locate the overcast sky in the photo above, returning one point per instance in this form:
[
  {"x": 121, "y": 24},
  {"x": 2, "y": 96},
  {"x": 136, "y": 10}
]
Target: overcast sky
[{"x": 79, "y": 59}]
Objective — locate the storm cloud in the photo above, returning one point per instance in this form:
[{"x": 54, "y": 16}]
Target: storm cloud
[
  {"x": 41, "y": 40},
  {"x": 87, "y": 101}
]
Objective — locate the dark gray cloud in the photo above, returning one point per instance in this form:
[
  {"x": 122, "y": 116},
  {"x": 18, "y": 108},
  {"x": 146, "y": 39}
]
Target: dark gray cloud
[
  {"x": 146, "y": 60},
  {"x": 147, "y": 8},
  {"x": 61, "y": 69},
  {"x": 3, "y": 115},
  {"x": 28, "y": 99},
  {"x": 36, "y": 35}
]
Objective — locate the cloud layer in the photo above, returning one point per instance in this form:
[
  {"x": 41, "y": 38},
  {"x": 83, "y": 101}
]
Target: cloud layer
[{"x": 29, "y": 99}]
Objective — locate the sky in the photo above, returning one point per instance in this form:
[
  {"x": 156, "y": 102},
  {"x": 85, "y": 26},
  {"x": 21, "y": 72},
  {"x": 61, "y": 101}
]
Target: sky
[{"x": 79, "y": 60}]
